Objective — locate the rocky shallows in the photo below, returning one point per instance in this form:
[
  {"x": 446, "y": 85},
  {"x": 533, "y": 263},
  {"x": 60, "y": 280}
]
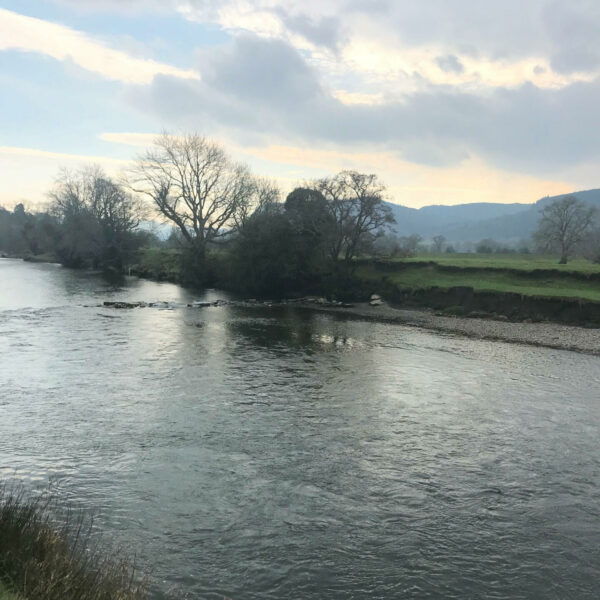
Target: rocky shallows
[
  {"x": 551, "y": 335},
  {"x": 309, "y": 300}
]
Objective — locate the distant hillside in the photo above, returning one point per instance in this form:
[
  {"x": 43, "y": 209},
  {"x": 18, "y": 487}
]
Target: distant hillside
[
  {"x": 161, "y": 230},
  {"x": 474, "y": 222}
]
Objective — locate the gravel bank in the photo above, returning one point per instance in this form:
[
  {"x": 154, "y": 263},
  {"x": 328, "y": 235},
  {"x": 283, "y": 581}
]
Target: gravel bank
[{"x": 551, "y": 335}]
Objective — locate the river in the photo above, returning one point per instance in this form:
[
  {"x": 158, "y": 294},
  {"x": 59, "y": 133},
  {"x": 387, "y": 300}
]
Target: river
[{"x": 280, "y": 453}]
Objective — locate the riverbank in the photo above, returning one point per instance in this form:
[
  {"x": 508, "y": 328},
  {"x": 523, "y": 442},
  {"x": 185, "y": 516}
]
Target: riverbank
[
  {"x": 47, "y": 558},
  {"x": 521, "y": 288},
  {"x": 518, "y": 290},
  {"x": 32, "y": 258},
  {"x": 565, "y": 323},
  {"x": 550, "y": 335}
]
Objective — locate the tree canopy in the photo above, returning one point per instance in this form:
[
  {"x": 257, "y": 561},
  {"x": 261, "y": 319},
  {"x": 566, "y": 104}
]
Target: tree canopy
[
  {"x": 563, "y": 225},
  {"x": 355, "y": 202},
  {"x": 198, "y": 187},
  {"x": 98, "y": 218}
]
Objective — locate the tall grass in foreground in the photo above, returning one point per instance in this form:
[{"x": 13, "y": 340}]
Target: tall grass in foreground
[{"x": 43, "y": 558}]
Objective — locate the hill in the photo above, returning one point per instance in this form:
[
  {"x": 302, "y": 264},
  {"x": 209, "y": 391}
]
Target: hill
[{"x": 477, "y": 221}]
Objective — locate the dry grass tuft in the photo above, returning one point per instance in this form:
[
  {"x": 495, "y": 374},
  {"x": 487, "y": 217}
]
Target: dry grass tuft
[{"x": 44, "y": 558}]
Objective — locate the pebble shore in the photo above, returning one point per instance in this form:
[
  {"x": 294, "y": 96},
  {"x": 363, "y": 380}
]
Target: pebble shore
[{"x": 551, "y": 335}]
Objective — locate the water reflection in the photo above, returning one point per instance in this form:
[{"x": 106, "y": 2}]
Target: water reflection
[{"x": 288, "y": 328}]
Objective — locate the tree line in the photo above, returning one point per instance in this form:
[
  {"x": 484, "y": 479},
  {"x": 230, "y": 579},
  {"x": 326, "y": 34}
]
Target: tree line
[
  {"x": 234, "y": 229},
  {"x": 229, "y": 219},
  {"x": 230, "y": 226},
  {"x": 91, "y": 221}
]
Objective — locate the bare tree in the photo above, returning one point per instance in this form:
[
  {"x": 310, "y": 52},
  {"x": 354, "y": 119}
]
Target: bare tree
[
  {"x": 438, "y": 243},
  {"x": 356, "y": 203},
  {"x": 563, "y": 225},
  {"x": 263, "y": 193},
  {"x": 196, "y": 186},
  {"x": 90, "y": 189},
  {"x": 335, "y": 192},
  {"x": 97, "y": 214},
  {"x": 410, "y": 244}
]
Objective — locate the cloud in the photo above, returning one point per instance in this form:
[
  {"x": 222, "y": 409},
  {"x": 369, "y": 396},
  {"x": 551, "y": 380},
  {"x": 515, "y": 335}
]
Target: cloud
[
  {"x": 320, "y": 32},
  {"x": 265, "y": 88},
  {"x": 465, "y": 43},
  {"x": 449, "y": 64},
  {"x": 28, "y": 172},
  {"x": 127, "y": 7},
  {"x": 408, "y": 183},
  {"x": 573, "y": 29},
  {"x": 512, "y": 36},
  {"x": 267, "y": 71},
  {"x": 347, "y": 97},
  {"x": 19, "y": 32},
  {"x": 14, "y": 151},
  {"x": 440, "y": 85},
  {"x": 130, "y": 139}
]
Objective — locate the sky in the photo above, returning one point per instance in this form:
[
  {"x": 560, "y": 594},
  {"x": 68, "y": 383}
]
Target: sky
[{"x": 448, "y": 101}]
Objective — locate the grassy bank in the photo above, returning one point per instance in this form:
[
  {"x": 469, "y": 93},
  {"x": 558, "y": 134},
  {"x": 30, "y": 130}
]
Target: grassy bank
[
  {"x": 517, "y": 287},
  {"x": 44, "y": 558},
  {"x": 524, "y": 275},
  {"x": 520, "y": 287},
  {"x": 489, "y": 280},
  {"x": 524, "y": 262}
]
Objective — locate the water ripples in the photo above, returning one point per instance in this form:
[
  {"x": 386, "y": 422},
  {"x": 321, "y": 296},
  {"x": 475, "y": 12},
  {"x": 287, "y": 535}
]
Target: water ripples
[{"x": 275, "y": 453}]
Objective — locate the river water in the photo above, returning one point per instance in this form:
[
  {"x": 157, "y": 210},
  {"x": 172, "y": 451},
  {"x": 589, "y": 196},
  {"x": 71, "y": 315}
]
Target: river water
[{"x": 276, "y": 453}]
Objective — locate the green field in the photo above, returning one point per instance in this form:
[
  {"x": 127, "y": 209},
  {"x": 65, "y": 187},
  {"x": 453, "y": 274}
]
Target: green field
[
  {"x": 485, "y": 273},
  {"x": 526, "y": 262}
]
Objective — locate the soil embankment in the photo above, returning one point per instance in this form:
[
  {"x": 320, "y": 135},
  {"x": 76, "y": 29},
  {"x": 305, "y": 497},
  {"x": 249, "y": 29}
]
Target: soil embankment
[{"x": 536, "y": 295}]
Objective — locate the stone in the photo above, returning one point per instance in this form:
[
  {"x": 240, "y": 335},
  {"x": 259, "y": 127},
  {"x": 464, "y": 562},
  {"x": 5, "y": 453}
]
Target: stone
[{"x": 116, "y": 304}]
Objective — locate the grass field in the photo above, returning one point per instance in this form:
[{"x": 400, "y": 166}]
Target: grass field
[
  {"x": 486, "y": 279},
  {"x": 526, "y": 262}
]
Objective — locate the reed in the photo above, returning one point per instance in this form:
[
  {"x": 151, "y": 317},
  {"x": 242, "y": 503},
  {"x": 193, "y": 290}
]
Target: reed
[{"x": 47, "y": 553}]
